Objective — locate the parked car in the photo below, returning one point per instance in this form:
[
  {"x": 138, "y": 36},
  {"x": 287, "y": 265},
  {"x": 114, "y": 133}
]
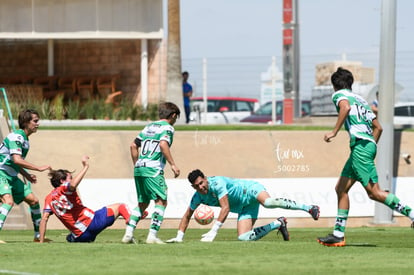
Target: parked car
[
  {"x": 221, "y": 110},
  {"x": 264, "y": 113},
  {"x": 404, "y": 113}
]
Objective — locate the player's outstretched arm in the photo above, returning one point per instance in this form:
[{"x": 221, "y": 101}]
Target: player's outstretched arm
[
  {"x": 185, "y": 220},
  {"x": 43, "y": 226},
  {"x": 224, "y": 212},
  {"x": 78, "y": 178},
  {"x": 18, "y": 160}
]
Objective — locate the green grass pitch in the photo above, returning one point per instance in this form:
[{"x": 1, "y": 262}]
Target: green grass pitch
[{"x": 369, "y": 250}]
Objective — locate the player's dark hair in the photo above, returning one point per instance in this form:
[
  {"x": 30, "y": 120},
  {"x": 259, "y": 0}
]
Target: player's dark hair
[
  {"x": 167, "y": 109},
  {"x": 342, "y": 79},
  {"x": 57, "y": 175},
  {"x": 193, "y": 175},
  {"x": 25, "y": 117}
]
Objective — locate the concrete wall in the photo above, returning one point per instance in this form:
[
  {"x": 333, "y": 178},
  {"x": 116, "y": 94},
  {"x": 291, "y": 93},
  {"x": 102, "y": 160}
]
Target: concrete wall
[{"x": 244, "y": 154}]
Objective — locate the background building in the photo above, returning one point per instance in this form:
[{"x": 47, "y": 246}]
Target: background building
[
  {"x": 364, "y": 84},
  {"x": 74, "y": 46}
]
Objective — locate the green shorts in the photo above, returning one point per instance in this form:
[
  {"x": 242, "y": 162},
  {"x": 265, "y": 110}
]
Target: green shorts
[
  {"x": 149, "y": 188},
  {"x": 251, "y": 211},
  {"x": 360, "y": 164},
  {"x": 15, "y": 187}
]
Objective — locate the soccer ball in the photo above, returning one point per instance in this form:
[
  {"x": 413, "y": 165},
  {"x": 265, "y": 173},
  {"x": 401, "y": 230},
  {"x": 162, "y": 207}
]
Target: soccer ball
[{"x": 204, "y": 214}]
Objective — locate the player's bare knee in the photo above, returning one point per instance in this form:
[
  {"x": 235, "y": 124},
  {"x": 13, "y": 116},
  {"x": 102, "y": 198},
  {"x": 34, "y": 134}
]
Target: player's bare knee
[
  {"x": 377, "y": 196},
  {"x": 341, "y": 193},
  {"x": 33, "y": 201}
]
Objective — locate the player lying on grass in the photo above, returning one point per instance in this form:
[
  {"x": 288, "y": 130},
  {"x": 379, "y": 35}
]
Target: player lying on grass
[
  {"x": 237, "y": 196},
  {"x": 83, "y": 223}
]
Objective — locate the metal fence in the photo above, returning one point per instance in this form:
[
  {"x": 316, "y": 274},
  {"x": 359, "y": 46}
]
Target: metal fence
[{"x": 241, "y": 76}]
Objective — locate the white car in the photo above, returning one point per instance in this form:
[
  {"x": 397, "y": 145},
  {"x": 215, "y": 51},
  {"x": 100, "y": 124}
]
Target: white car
[
  {"x": 404, "y": 113},
  {"x": 221, "y": 110}
]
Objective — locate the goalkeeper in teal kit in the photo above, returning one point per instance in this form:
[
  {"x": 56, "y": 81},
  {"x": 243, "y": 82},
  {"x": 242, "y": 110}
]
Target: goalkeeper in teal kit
[{"x": 237, "y": 196}]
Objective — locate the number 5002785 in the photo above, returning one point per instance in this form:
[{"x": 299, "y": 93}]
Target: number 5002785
[{"x": 301, "y": 168}]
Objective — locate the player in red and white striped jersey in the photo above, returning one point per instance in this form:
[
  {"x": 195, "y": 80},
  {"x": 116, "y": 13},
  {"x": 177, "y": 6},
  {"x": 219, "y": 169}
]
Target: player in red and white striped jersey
[{"x": 63, "y": 201}]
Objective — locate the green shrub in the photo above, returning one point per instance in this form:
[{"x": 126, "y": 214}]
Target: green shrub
[
  {"x": 56, "y": 108},
  {"x": 73, "y": 109},
  {"x": 90, "y": 109},
  {"x": 44, "y": 110}
]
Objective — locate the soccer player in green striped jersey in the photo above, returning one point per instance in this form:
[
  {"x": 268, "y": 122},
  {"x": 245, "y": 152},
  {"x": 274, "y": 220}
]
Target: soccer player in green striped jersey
[
  {"x": 149, "y": 152},
  {"x": 364, "y": 132},
  {"x": 13, "y": 152}
]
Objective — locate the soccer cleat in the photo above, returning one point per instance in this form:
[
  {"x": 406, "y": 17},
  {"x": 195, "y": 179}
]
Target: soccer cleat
[
  {"x": 314, "y": 212},
  {"x": 46, "y": 240},
  {"x": 128, "y": 239},
  {"x": 2, "y": 242},
  {"x": 412, "y": 225},
  {"x": 283, "y": 228},
  {"x": 331, "y": 240},
  {"x": 154, "y": 240}
]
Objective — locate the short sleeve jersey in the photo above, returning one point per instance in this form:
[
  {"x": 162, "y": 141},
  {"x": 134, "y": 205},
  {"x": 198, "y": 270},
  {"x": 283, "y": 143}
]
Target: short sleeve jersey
[
  {"x": 187, "y": 88},
  {"x": 359, "y": 120},
  {"x": 15, "y": 143},
  {"x": 151, "y": 161},
  {"x": 236, "y": 189},
  {"x": 68, "y": 208}
]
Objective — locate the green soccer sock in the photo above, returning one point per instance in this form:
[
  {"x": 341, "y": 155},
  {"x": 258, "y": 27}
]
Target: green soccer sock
[
  {"x": 259, "y": 232},
  {"x": 285, "y": 204},
  {"x": 394, "y": 203},
  {"x": 36, "y": 216},
  {"x": 4, "y": 211},
  {"x": 157, "y": 219},
  {"x": 340, "y": 223},
  {"x": 133, "y": 220}
]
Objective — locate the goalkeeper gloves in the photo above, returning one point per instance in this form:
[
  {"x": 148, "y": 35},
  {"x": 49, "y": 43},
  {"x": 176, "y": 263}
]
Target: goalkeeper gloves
[
  {"x": 178, "y": 239},
  {"x": 210, "y": 235}
]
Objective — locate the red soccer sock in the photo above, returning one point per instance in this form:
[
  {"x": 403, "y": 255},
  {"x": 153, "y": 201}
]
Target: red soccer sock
[
  {"x": 124, "y": 211},
  {"x": 109, "y": 212}
]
